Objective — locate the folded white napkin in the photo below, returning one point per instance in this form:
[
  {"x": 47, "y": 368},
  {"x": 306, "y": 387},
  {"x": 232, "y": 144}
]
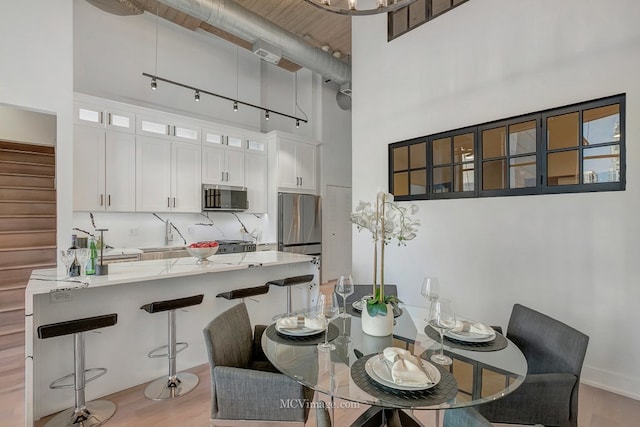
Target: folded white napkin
[
  {"x": 294, "y": 322},
  {"x": 465, "y": 327},
  {"x": 404, "y": 367}
]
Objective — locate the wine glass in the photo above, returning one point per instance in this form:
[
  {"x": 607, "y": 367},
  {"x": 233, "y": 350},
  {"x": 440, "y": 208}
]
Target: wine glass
[
  {"x": 82, "y": 255},
  {"x": 442, "y": 318},
  {"x": 67, "y": 256},
  {"x": 431, "y": 291},
  {"x": 328, "y": 309},
  {"x": 344, "y": 288}
]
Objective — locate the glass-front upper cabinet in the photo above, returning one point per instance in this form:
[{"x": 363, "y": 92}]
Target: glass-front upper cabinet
[{"x": 109, "y": 118}]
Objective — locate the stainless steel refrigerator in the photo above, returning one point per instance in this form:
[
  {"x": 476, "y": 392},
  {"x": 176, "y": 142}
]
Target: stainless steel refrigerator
[{"x": 299, "y": 223}]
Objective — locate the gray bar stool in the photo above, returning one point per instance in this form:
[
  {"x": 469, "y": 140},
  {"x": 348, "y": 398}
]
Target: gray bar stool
[
  {"x": 291, "y": 281},
  {"x": 94, "y": 413},
  {"x": 176, "y": 384},
  {"x": 244, "y": 293}
]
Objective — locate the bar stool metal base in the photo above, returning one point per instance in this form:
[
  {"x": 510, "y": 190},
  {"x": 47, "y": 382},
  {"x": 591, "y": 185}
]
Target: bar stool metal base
[
  {"x": 93, "y": 414},
  {"x": 165, "y": 388}
]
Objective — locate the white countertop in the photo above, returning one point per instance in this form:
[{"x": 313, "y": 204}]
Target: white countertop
[{"x": 50, "y": 280}]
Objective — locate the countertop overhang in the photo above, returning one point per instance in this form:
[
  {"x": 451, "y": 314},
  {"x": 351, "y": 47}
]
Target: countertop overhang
[{"x": 51, "y": 280}]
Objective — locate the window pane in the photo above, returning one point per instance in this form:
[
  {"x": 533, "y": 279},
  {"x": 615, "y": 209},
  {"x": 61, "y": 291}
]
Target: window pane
[
  {"x": 399, "y": 21},
  {"x": 89, "y": 115},
  {"x": 522, "y": 172},
  {"x": 562, "y": 131},
  {"x": 418, "y": 155},
  {"x": 562, "y": 168},
  {"x": 464, "y": 177},
  {"x": 442, "y": 151},
  {"x": 601, "y": 125},
  {"x": 463, "y": 148},
  {"x": 418, "y": 182},
  {"x": 601, "y": 164},
  {"x": 440, "y": 6},
  {"x": 401, "y": 184},
  {"x": 494, "y": 175},
  {"x": 417, "y": 13},
  {"x": 522, "y": 138},
  {"x": 493, "y": 143},
  {"x": 401, "y": 158},
  {"x": 442, "y": 179}
]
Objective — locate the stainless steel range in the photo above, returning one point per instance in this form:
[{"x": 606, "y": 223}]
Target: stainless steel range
[{"x": 235, "y": 246}]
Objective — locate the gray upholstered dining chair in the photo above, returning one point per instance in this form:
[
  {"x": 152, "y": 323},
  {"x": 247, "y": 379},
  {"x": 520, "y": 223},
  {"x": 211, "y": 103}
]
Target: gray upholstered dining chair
[
  {"x": 555, "y": 354},
  {"x": 245, "y": 388},
  {"x": 464, "y": 417}
]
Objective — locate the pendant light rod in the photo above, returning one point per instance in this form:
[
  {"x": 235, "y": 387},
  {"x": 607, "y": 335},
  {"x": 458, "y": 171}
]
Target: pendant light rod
[{"x": 235, "y": 101}]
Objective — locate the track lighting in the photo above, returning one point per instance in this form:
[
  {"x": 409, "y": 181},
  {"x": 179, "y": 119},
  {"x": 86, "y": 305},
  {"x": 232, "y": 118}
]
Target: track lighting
[{"x": 197, "y": 92}]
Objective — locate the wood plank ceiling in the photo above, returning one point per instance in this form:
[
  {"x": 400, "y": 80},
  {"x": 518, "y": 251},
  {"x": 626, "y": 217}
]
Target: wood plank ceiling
[{"x": 316, "y": 27}]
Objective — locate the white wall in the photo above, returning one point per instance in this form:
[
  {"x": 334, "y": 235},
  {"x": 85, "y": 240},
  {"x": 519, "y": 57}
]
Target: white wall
[
  {"x": 572, "y": 256},
  {"x": 27, "y": 126},
  {"x": 36, "y": 49}
]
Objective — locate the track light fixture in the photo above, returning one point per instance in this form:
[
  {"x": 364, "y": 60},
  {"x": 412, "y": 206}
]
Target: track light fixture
[
  {"x": 236, "y": 102},
  {"x": 297, "y": 123}
]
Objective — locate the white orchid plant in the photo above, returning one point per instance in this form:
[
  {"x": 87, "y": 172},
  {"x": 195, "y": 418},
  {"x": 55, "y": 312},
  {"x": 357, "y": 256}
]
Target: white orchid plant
[{"x": 386, "y": 220}]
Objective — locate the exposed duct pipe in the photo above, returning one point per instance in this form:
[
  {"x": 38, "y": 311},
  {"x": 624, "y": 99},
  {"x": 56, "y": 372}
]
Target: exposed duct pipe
[{"x": 233, "y": 18}]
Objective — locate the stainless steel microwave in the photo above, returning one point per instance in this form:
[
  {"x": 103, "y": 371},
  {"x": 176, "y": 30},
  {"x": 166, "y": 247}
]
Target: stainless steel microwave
[{"x": 217, "y": 198}]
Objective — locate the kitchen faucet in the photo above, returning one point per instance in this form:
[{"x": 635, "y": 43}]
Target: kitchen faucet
[{"x": 168, "y": 235}]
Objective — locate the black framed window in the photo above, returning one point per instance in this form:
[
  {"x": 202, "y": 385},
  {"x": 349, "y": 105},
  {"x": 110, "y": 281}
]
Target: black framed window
[
  {"x": 576, "y": 148},
  {"x": 417, "y": 13}
]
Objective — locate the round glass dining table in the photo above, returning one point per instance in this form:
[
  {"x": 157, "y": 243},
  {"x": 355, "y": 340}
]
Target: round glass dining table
[{"x": 479, "y": 373}]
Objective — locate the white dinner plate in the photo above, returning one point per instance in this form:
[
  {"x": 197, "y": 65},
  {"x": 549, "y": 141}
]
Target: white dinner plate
[
  {"x": 490, "y": 334},
  {"x": 377, "y": 370},
  {"x": 298, "y": 332}
]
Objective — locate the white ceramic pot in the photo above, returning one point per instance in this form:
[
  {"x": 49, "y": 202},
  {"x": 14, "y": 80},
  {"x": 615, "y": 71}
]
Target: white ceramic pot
[{"x": 377, "y": 326}]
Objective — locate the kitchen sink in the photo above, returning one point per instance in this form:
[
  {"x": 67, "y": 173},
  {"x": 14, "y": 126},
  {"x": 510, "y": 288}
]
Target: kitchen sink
[{"x": 163, "y": 253}]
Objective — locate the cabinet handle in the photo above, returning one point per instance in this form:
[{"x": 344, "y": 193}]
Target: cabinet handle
[
  {"x": 101, "y": 117},
  {"x": 227, "y": 176},
  {"x": 109, "y": 200},
  {"x": 221, "y": 176},
  {"x": 168, "y": 202},
  {"x": 102, "y": 200},
  {"x": 174, "y": 202},
  {"x": 168, "y": 130},
  {"x": 109, "y": 119}
]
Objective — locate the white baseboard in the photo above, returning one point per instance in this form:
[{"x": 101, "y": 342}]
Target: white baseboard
[{"x": 611, "y": 381}]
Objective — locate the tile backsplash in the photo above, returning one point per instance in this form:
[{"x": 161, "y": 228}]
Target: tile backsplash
[{"x": 142, "y": 230}]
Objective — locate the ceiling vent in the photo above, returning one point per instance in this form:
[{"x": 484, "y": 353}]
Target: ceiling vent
[{"x": 267, "y": 51}]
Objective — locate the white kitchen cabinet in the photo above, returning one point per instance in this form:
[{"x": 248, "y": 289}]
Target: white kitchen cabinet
[
  {"x": 256, "y": 174},
  {"x": 103, "y": 117},
  {"x": 104, "y": 168},
  {"x": 168, "y": 175},
  {"x": 222, "y": 165},
  {"x": 296, "y": 165}
]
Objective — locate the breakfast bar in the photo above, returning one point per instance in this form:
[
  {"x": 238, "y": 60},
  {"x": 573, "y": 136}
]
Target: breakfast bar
[{"x": 122, "y": 349}]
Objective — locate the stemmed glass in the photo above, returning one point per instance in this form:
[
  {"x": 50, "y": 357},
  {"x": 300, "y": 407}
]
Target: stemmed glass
[
  {"x": 67, "y": 256},
  {"x": 344, "y": 288},
  {"x": 442, "y": 318},
  {"x": 431, "y": 291},
  {"x": 82, "y": 255},
  {"x": 328, "y": 309}
]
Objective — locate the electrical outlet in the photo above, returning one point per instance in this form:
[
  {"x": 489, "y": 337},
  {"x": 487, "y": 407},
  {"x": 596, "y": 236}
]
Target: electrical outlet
[
  {"x": 133, "y": 231},
  {"x": 61, "y": 296}
]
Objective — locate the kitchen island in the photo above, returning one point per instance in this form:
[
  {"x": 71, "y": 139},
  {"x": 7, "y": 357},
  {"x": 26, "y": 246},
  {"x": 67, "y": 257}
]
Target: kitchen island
[{"x": 123, "y": 348}]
